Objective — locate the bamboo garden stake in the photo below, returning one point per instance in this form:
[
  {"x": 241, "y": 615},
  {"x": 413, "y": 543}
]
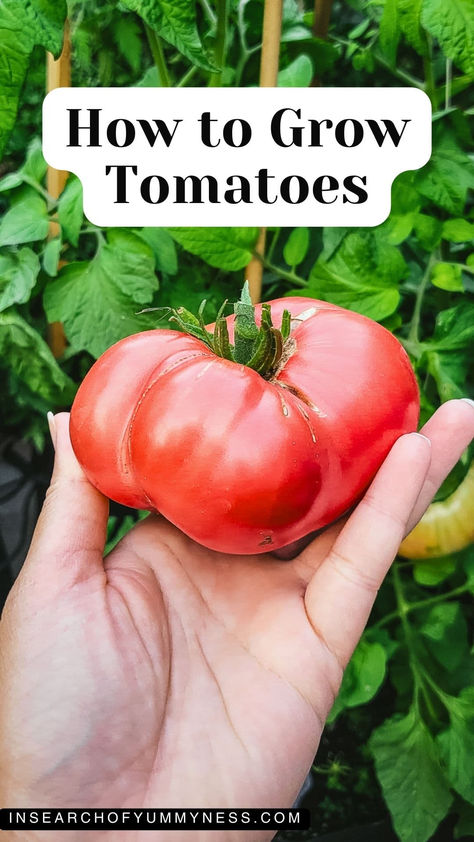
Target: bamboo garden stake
[
  {"x": 58, "y": 75},
  {"x": 272, "y": 16}
]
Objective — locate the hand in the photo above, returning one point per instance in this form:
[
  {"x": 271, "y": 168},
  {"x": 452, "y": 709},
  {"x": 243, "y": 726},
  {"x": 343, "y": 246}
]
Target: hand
[{"x": 171, "y": 675}]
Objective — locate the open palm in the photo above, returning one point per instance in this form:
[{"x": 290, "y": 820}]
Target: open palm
[{"x": 173, "y": 676}]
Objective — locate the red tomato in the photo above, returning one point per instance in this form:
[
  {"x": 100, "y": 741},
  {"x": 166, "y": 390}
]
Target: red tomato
[{"x": 241, "y": 463}]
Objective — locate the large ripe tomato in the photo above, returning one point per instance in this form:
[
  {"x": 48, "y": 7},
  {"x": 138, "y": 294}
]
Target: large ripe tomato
[{"x": 240, "y": 462}]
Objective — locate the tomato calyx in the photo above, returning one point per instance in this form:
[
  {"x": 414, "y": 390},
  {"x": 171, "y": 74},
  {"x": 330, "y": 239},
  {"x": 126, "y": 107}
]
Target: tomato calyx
[{"x": 263, "y": 348}]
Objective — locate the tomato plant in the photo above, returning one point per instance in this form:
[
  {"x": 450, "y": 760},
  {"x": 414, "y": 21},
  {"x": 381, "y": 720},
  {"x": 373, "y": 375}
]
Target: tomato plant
[{"x": 247, "y": 446}]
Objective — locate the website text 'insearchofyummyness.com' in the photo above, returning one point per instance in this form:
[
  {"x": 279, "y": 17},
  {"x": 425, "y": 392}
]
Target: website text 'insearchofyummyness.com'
[{"x": 156, "y": 819}]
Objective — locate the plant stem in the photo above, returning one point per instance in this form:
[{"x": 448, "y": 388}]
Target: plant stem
[
  {"x": 449, "y": 79},
  {"x": 187, "y": 77},
  {"x": 273, "y": 243},
  {"x": 100, "y": 238},
  {"x": 322, "y": 15},
  {"x": 430, "y": 84},
  {"x": 395, "y": 71},
  {"x": 220, "y": 44},
  {"x": 52, "y": 202},
  {"x": 420, "y": 604},
  {"x": 415, "y": 665},
  {"x": 413, "y": 348},
  {"x": 287, "y": 276},
  {"x": 413, "y": 333},
  {"x": 208, "y": 11},
  {"x": 92, "y": 229},
  {"x": 158, "y": 56}
]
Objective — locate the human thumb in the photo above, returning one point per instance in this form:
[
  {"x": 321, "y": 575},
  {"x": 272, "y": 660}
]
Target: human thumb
[{"x": 69, "y": 539}]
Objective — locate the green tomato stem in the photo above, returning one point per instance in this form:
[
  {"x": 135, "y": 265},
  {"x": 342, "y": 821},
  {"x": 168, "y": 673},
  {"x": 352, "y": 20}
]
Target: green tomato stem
[
  {"x": 413, "y": 333},
  {"x": 156, "y": 49},
  {"x": 220, "y": 44},
  {"x": 420, "y": 605},
  {"x": 260, "y": 348}
]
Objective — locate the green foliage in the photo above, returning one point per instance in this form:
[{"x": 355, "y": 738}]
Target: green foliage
[
  {"x": 296, "y": 246},
  {"x": 22, "y": 25},
  {"x": 298, "y": 74},
  {"x": 70, "y": 212},
  {"x": 224, "y": 248},
  {"x": 117, "y": 282},
  {"x": 411, "y": 675},
  {"x": 362, "y": 678},
  {"x": 363, "y": 274},
  {"x": 453, "y": 25},
  {"x": 23, "y": 349},
  {"x": 410, "y": 773},
  {"x": 175, "y": 21},
  {"x": 26, "y": 221},
  {"x": 18, "y": 272},
  {"x": 449, "y": 174},
  {"x": 456, "y": 743}
]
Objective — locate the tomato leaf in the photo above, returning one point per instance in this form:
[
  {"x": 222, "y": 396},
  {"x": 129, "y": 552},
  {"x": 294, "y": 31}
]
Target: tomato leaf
[
  {"x": 427, "y": 230},
  {"x": 332, "y": 239},
  {"x": 27, "y": 354},
  {"x": 51, "y": 257},
  {"x": 458, "y": 230},
  {"x": 409, "y": 18},
  {"x": 175, "y": 21},
  {"x": 22, "y": 25},
  {"x": 35, "y": 166},
  {"x": 296, "y": 246},
  {"x": 446, "y": 630},
  {"x": 363, "y": 677},
  {"x": 449, "y": 352},
  {"x": 454, "y": 327},
  {"x": 224, "y": 248},
  {"x": 431, "y": 572},
  {"x": 98, "y": 300},
  {"x": 298, "y": 74},
  {"x": 456, "y": 744},
  {"x": 18, "y": 273},
  {"x": 448, "y": 370},
  {"x": 447, "y": 176},
  {"x": 10, "y": 181},
  {"x": 362, "y": 275},
  {"x": 389, "y": 32},
  {"x": 163, "y": 247},
  {"x": 453, "y": 25},
  {"x": 70, "y": 211},
  {"x": 465, "y": 824},
  {"x": 447, "y": 276},
  {"x": 127, "y": 37},
  {"x": 412, "y": 781},
  {"x": 398, "y": 227},
  {"x": 25, "y": 222}
]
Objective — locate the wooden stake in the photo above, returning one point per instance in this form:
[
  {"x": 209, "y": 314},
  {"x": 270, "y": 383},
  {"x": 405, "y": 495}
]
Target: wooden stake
[
  {"x": 322, "y": 15},
  {"x": 270, "y": 56},
  {"x": 272, "y": 16},
  {"x": 58, "y": 75}
]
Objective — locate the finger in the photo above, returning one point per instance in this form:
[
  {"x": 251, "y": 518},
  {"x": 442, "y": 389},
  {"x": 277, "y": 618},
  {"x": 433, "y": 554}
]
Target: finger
[
  {"x": 450, "y": 430},
  {"x": 341, "y": 592},
  {"x": 70, "y": 535}
]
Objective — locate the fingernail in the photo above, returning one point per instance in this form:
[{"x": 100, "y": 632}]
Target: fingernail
[
  {"x": 468, "y": 400},
  {"x": 421, "y": 436},
  {"x": 52, "y": 427}
]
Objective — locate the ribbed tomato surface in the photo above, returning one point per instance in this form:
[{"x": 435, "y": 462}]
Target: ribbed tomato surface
[{"x": 241, "y": 463}]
